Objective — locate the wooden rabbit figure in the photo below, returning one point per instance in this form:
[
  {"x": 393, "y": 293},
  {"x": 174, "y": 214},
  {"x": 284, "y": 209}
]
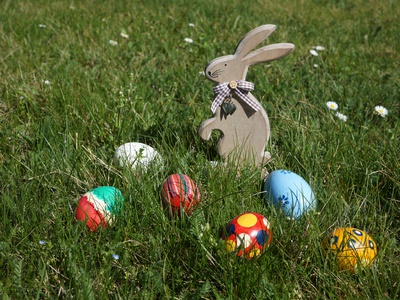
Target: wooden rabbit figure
[{"x": 240, "y": 118}]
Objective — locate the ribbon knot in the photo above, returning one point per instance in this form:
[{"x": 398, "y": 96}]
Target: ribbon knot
[{"x": 238, "y": 87}]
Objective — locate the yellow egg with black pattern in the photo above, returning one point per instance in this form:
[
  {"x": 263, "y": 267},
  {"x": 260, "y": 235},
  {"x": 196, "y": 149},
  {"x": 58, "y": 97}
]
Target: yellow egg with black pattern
[{"x": 353, "y": 248}]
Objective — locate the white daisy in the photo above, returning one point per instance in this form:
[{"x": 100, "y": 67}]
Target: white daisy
[
  {"x": 319, "y": 48},
  {"x": 113, "y": 43},
  {"x": 191, "y": 24},
  {"x": 47, "y": 82},
  {"x": 332, "y": 105},
  {"x": 124, "y": 35},
  {"x": 313, "y": 52},
  {"x": 380, "y": 110},
  {"x": 188, "y": 40},
  {"x": 315, "y": 66},
  {"x": 341, "y": 116}
]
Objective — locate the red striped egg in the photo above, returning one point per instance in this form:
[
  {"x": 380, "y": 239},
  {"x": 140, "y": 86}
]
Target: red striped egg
[{"x": 180, "y": 194}]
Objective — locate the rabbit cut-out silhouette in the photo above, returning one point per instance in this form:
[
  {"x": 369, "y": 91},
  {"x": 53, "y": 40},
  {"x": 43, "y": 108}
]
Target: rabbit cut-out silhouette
[{"x": 244, "y": 126}]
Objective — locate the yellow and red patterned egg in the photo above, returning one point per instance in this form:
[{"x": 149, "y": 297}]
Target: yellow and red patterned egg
[
  {"x": 249, "y": 234},
  {"x": 99, "y": 207},
  {"x": 353, "y": 248},
  {"x": 180, "y": 194}
]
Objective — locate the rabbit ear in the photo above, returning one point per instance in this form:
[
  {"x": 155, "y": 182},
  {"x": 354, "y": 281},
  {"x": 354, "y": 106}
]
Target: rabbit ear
[
  {"x": 252, "y": 39},
  {"x": 268, "y": 53}
]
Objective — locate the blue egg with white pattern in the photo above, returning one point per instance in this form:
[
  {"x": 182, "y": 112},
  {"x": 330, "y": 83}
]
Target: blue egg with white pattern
[{"x": 290, "y": 193}]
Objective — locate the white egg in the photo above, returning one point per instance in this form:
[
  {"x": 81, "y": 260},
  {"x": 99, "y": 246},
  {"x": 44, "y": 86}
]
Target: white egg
[{"x": 136, "y": 155}]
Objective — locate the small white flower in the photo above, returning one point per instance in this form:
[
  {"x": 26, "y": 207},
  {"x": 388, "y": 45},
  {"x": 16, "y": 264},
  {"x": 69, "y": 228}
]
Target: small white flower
[
  {"x": 42, "y": 242},
  {"x": 115, "y": 256},
  {"x": 332, "y": 105},
  {"x": 42, "y": 26},
  {"x": 188, "y": 40},
  {"x": 124, "y": 35},
  {"x": 47, "y": 82},
  {"x": 316, "y": 66},
  {"x": 113, "y": 43},
  {"x": 319, "y": 48},
  {"x": 341, "y": 116},
  {"x": 191, "y": 24},
  {"x": 381, "y": 111},
  {"x": 313, "y": 52}
]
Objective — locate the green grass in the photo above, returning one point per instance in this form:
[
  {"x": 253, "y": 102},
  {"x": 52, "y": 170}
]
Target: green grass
[{"x": 57, "y": 141}]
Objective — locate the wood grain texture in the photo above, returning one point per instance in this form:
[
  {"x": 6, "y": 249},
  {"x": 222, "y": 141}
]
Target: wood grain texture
[{"x": 245, "y": 132}]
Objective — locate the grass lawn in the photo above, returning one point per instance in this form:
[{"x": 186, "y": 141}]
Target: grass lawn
[{"x": 80, "y": 78}]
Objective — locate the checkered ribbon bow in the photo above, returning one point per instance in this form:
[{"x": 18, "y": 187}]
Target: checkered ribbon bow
[{"x": 239, "y": 87}]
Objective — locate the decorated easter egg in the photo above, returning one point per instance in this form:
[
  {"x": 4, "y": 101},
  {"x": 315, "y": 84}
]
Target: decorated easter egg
[
  {"x": 248, "y": 235},
  {"x": 136, "y": 155},
  {"x": 180, "y": 194},
  {"x": 289, "y": 192},
  {"x": 353, "y": 248},
  {"x": 99, "y": 206}
]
